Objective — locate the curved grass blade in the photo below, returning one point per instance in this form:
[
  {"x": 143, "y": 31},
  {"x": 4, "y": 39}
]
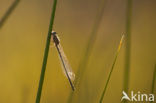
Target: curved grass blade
[
  {"x": 90, "y": 43},
  {"x": 8, "y": 13},
  {"x": 109, "y": 76},
  {"x": 64, "y": 61},
  {"x": 38, "y": 97},
  {"x": 128, "y": 46}
]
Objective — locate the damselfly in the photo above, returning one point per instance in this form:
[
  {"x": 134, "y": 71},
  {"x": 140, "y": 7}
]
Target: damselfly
[{"x": 64, "y": 61}]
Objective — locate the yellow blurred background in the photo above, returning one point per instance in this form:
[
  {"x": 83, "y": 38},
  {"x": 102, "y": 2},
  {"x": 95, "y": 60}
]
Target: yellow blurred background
[{"x": 23, "y": 38}]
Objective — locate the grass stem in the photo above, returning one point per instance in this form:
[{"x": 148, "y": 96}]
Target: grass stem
[
  {"x": 112, "y": 68},
  {"x": 128, "y": 46},
  {"x": 8, "y": 13},
  {"x": 153, "y": 81},
  {"x": 83, "y": 63},
  {"x": 38, "y": 97}
]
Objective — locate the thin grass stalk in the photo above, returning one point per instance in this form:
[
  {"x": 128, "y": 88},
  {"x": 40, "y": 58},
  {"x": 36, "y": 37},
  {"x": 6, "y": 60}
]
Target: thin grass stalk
[
  {"x": 38, "y": 97},
  {"x": 112, "y": 68},
  {"x": 128, "y": 46},
  {"x": 153, "y": 82},
  {"x": 83, "y": 63},
  {"x": 8, "y": 13}
]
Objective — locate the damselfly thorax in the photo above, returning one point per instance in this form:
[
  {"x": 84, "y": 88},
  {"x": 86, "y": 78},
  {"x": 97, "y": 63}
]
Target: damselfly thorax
[{"x": 55, "y": 38}]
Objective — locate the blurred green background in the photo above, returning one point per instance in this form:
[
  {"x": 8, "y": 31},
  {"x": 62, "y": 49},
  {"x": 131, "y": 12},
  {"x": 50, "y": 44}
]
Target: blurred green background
[{"x": 23, "y": 38}]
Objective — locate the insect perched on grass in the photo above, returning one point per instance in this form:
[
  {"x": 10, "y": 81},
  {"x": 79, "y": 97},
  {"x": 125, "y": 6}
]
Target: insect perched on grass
[{"x": 66, "y": 67}]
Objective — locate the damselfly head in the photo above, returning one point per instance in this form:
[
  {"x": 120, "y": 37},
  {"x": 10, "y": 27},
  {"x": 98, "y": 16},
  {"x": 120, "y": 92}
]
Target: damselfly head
[
  {"x": 55, "y": 38},
  {"x": 53, "y": 33}
]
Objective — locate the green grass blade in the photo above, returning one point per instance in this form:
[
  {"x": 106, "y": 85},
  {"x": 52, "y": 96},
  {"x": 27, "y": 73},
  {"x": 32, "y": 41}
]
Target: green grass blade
[
  {"x": 46, "y": 53},
  {"x": 153, "y": 81},
  {"x": 128, "y": 46},
  {"x": 8, "y": 13},
  {"x": 83, "y": 63},
  {"x": 112, "y": 68}
]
